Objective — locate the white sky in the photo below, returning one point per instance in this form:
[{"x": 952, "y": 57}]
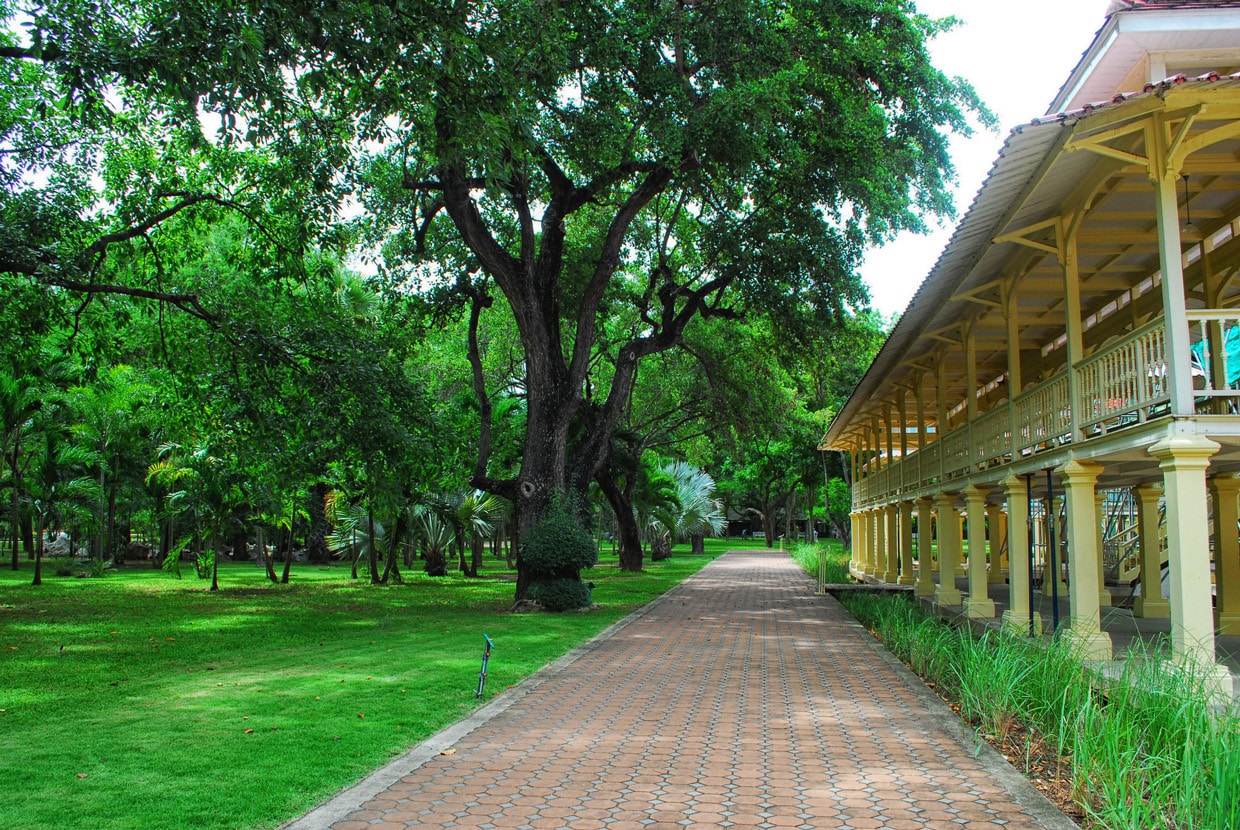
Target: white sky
[{"x": 1017, "y": 54}]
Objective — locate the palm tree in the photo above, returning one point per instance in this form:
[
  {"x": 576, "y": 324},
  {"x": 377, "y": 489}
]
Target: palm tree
[
  {"x": 58, "y": 493},
  {"x": 437, "y": 537},
  {"x": 107, "y": 423},
  {"x": 475, "y": 514},
  {"x": 356, "y": 534},
  {"x": 696, "y": 514}
]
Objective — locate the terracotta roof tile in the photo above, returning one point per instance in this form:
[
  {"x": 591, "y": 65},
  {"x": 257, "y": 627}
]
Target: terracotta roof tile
[
  {"x": 1174, "y": 80},
  {"x": 1140, "y": 5}
]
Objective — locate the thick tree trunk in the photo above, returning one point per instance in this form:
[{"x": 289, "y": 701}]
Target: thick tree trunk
[
  {"x": 660, "y": 548},
  {"x": 697, "y": 544},
  {"x": 621, "y": 502}
]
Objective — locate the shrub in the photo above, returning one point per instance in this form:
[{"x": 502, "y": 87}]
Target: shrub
[
  {"x": 558, "y": 546},
  {"x": 561, "y": 594}
]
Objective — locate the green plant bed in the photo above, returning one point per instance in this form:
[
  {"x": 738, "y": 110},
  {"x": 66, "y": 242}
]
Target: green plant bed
[
  {"x": 1143, "y": 749},
  {"x": 139, "y": 700}
]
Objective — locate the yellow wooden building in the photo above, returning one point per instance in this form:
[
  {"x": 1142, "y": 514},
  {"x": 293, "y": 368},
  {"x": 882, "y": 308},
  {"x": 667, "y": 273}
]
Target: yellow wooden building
[{"x": 1076, "y": 352}]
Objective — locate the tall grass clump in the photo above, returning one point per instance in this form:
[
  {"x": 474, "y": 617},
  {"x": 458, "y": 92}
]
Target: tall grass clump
[
  {"x": 811, "y": 556},
  {"x": 1142, "y": 749}
]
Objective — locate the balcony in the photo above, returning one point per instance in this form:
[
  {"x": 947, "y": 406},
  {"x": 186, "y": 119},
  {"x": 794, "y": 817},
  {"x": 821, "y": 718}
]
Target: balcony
[{"x": 1123, "y": 384}]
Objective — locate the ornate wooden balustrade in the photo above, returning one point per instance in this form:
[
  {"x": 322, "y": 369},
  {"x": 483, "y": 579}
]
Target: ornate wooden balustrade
[{"x": 1122, "y": 384}]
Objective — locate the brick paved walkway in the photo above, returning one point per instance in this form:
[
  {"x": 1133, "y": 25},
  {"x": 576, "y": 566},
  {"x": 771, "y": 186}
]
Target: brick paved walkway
[{"x": 739, "y": 699}]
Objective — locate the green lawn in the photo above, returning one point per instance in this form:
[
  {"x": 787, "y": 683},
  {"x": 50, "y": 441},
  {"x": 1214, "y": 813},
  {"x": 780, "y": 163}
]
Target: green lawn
[{"x": 136, "y": 700}]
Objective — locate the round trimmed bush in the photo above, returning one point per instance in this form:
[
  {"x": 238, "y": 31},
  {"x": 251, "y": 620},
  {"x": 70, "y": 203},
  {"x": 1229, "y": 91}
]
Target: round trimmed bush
[
  {"x": 558, "y": 546},
  {"x": 561, "y": 594}
]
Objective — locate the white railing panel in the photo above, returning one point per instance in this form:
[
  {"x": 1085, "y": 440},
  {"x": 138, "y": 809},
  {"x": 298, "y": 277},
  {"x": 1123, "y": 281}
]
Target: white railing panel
[
  {"x": 956, "y": 458},
  {"x": 1215, "y": 356},
  {"x": 1125, "y": 382},
  {"x": 931, "y": 463},
  {"x": 992, "y": 435},
  {"x": 1044, "y": 414}
]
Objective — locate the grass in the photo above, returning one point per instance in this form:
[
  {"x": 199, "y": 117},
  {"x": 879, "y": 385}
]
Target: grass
[
  {"x": 1145, "y": 750},
  {"x": 136, "y": 700}
]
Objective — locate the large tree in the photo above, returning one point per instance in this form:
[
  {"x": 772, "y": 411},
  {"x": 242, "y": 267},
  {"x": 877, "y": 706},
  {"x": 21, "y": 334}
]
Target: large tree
[{"x": 688, "y": 158}]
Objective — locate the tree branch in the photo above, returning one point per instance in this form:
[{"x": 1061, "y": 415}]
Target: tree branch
[{"x": 188, "y": 303}]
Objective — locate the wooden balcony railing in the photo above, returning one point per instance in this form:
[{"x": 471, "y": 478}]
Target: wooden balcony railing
[
  {"x": 1124, "y": 383},
  {"x": 1216, "y": 360},
  {"x": 1044, "y": 415}
]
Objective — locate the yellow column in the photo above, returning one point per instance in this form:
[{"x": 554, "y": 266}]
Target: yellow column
[
  {"x": 949, "y": 550},
  {"x": 906, "y": 543},
  {"x": 925, "y": 554},
  {"x": 1016, "y": 618},
  {"x": 1151, "y": 603},
  {"x": 1085, "y": 625},
  {"x": 852, "y": 540},
  {"x": 880, "y": 544},
  {"x": 979, "y": 604},
  {"x": 862, "y": 544},
  {"x": 1053, "y": 517},
  {"x": 1104, "y": 596},
  {"x": 892, "y": 561},
  {"x": 1223, "y": 489},
  {"x": 1183, "y": 459},
  {"x": 996, "y": 525}
]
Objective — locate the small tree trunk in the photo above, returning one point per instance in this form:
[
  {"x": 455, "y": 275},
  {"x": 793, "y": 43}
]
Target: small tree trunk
[
  {"x": 374, "y": 547},
  {"x": 514, "y": 542},
  {"x": 215, "y": 560},
  {"x": 392, "y": 569},
  {"x": 16, "y": 524},
  {"x": 264, "y": 559},
  {"x": 38, "y": 558},
  {"x": 697, "y": 543},
  {"x": 316, "y": 537},
  {"x": 476, "y": 545},
  {"x": 288, "y": 554}
]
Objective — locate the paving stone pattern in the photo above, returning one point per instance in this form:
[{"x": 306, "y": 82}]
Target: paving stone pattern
[{"x": 739, "y": 699}]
